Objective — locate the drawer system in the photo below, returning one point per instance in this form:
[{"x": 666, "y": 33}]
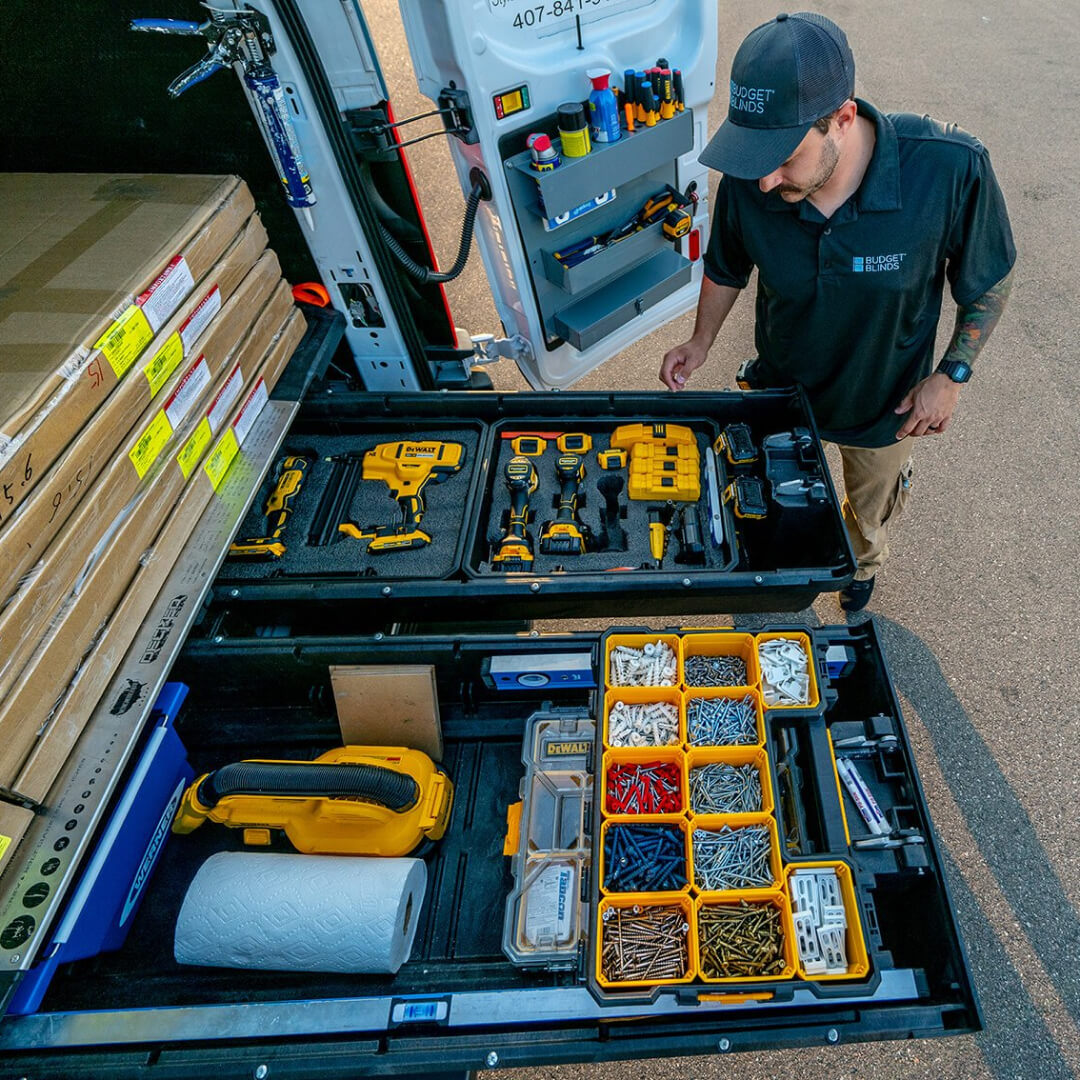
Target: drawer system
[{"x": 569, "y": 912}]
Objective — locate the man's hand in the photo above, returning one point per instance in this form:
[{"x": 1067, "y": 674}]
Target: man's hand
[
  {"x": 931, "y": 404},
  {"x": 681, "y": 362}
]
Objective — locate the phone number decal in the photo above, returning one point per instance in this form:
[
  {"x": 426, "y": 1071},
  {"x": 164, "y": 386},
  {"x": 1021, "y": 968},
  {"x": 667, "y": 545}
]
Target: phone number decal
[{"x": 554, "y": 16}]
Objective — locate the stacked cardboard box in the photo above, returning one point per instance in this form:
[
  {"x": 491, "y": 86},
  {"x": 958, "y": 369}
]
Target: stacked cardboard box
[{"x": 142, "y": 325}]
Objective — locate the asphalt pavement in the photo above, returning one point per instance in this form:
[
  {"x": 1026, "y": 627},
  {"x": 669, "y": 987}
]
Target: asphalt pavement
[{"x": 978, "y": 606}]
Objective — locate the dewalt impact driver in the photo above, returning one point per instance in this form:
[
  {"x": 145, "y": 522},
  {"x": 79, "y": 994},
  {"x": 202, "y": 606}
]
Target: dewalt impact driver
[
  {"x": 405, "y": 468},
  {"x": 514, "y": 552},
  {"x": 566, "y": 535}
]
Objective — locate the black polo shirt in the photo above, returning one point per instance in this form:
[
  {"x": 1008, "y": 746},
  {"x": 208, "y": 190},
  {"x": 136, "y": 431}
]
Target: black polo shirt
[{"x": 848, "y": 307}]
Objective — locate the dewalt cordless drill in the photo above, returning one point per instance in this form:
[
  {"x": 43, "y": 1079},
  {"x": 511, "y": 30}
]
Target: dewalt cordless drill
[
  {"x": 566, "y": 535},
  {"x": 514, "y": 551},
  {"x": 405, "y": 468}
]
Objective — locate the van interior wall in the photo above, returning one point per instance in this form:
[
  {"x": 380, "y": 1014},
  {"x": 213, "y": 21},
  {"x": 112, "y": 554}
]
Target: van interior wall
[{"x": 83, "y": 93}]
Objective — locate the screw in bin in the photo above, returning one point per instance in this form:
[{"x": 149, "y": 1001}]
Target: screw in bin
[
  {"x": 535, "y": 586},
  {"x": 758, "y": 579},
  {"x": 833, "y": 1035},
  {"x": 724, "y": 1045},
  {"x": 261, "y": 1072},
  {"x": 686, "y": 582},
  {"x": 234, "y": 593},
  {"x": 386, "y": 590},
  {"x": 492, "y": 1060}
]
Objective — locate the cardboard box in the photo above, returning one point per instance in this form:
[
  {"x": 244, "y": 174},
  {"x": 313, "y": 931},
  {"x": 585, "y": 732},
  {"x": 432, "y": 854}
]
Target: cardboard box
[
  {"x": 59, "y": 734},
  {"x": 72, "y": 632},
  {"x": 129, "y": 488},
  {"x": 91, "y": 267},
  {"x": 14, "y": 821},
  {"x": 28, "y": 533}
]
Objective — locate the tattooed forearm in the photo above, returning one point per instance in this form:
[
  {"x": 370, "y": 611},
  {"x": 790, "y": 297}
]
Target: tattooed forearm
[{"x": 975, "y": 322}]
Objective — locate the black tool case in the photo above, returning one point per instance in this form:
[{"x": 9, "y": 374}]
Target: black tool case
[
  {"x": 780, "y": 560},
  {"x": 459, "y": 1004}
]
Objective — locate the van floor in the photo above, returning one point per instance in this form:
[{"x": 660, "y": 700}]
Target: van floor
[{"x": 458, "y": 945}]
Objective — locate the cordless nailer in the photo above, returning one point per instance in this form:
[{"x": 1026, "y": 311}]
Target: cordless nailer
[{"x": 405, "y": 468}]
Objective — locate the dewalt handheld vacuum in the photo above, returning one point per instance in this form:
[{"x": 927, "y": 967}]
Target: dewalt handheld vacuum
[{"x": 355, "y": 800}]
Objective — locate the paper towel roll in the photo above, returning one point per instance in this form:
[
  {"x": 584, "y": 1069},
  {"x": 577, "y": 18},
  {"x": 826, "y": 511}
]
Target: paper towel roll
[{"x": 301, "y": 912}]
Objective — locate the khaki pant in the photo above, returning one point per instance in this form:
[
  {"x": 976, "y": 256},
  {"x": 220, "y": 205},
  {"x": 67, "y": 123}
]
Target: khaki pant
[{"x": 877, "y": 484}]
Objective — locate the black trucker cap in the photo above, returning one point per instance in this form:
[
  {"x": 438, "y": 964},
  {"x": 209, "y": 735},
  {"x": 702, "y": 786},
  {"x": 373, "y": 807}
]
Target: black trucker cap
[{"x": 788, "y": 73}]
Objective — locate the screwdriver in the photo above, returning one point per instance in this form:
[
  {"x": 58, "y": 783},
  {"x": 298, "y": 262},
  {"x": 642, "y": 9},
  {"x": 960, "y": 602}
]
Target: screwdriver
[
  {"x": 646, "y": 93},
  {"x": 667, "y": 100}
]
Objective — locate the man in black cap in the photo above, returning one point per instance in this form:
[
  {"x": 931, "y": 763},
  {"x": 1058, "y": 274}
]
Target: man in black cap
[{"x": 854, "y": 220}]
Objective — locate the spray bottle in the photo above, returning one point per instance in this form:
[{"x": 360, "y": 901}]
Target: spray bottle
[{"x": 603, "y": 109}]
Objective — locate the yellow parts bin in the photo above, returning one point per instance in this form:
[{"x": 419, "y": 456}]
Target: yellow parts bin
[
  {"x": 355, "y": 800},
  {"x": 665, "y": 462}
]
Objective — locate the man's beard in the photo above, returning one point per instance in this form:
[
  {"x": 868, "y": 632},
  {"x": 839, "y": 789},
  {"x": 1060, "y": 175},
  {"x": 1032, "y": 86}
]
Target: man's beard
[{"x": 826, "y": 167}]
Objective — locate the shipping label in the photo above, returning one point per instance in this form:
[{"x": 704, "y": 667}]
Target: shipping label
[
  {"x": 147, "y": 449},
  {"x": 217, "y": 464},
  {"x": 165, "y": 361},
  {"x": 166, "y": 293},
  {"x": 194, "y": 448},
  {"x": 190, "y": 388},
  {"x": 200, "y": 318},
  {"x": 125, "y": 339}
]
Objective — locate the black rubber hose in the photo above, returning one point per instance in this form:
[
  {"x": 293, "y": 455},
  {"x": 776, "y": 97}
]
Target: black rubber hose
[
  {"x": 425, "y": 274},
  {"x": 371, "y": 783}
]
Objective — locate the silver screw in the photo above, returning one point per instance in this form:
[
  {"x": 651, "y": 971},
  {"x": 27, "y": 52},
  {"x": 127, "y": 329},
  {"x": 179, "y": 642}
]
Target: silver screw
[
  {"x": 686, "y": 582},
  {"x": 234, "y": 592},
  {"x": 724, "y": 1045},
  {"x": 379, "y": 636},
  {"x": 386, "y": 590},
  {"x": 261, "y": 1072},
  {"x": 15, "y": 958},
  {"x": 492, "y": 1060},
  {"x": 535, "y": 586},
  {"x": 758, "y": 579},
  {"x": 833, "y": 1035},
  {"x": 218, "y": 639}
]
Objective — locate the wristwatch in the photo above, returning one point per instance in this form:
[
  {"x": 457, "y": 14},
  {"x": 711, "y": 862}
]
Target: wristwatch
[{"x": 957, "y": 370}]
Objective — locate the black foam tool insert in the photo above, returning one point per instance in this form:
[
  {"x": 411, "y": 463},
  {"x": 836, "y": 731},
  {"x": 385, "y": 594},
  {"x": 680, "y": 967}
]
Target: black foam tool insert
[
  {"x": 619, "y": 526},
  {"x": 446, "y": 504}
]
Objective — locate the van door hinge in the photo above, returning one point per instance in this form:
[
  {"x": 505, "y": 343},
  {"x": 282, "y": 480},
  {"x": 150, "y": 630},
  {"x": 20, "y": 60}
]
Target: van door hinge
[{"x": 488, "y": 348}]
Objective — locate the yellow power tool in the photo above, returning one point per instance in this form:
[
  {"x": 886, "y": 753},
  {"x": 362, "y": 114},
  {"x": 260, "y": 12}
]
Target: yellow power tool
[
  {"x": 405, "y": 468},
  {"x": 278, "y": 509},
  {"x": 567, "y": 534},
  {"x": 514, "y": 551},
  {"x": 355, "y": 800}
]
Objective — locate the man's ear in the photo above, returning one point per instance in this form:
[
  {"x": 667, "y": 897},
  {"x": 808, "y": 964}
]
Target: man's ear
[{"x": 844, "y": 118}]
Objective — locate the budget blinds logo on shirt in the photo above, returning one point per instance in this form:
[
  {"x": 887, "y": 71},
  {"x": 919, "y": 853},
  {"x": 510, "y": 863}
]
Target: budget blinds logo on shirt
[
  {"x": 873, "y": 264},
  {"x": 750, "y": 98}
]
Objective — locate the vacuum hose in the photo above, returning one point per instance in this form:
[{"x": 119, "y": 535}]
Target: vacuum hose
[
  {"x": 372, "y": 783},
  {"x": 425, "y": 275}
]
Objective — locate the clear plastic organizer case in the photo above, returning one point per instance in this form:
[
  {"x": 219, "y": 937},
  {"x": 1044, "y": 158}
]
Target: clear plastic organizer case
[{"x": 549, "y": 840}]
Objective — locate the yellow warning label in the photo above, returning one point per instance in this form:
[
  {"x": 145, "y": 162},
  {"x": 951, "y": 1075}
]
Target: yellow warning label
[
  {"x": 217, "y": 464},
  {"x": 125, "y": 339},
  {"x": 154, "y": 438},
  {"x": 192, "y": 453},
  {"x": 165, "y": 362},
  {"x": 5, "y": 843}
]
